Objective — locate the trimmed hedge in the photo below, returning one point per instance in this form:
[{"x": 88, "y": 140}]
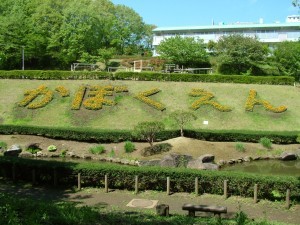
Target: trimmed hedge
[
  {"x": 150, "y": 178},
  {"x": 54, "y": 75},
  {"x": 213, "y": 78},
  {"x": 108, "y": 136},
  {"x": 145, "y": 76}
]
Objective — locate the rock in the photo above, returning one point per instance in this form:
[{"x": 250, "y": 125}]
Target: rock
[
  {"x": 153, "y": 162},
  {"x": 54, "y": 156},
  {"x": 247, "y": 159},
  {"x": 207, "y": 158},
  {"x": 25, "y": 154},
  {"x": 14, "y": 150},
  {"x": 168, "y": 161},
  {"x": 72, "y": 155},
  {"x": 88, "y": 157},
  {"x": 287, "y": 156},
  {"x": 197, "y": 164},
  {"x": 125, "y": 161},
  {"x": 39, "y": 154},
  {"x": 222, "y": 162}
]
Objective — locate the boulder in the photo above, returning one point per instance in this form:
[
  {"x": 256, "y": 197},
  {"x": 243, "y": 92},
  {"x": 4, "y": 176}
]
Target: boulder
[
  {"x": 14, "y": 150},
  {"x": 175, "y": 160},
  {"x": 153, "y": 162},
  {"x": 25, "y": 154},
  {"x": 287, "y": 156},
  {"x": 207, "y": 158},
  {"x": 168, "y": 161},
  {"x": 197, "y": 164}
]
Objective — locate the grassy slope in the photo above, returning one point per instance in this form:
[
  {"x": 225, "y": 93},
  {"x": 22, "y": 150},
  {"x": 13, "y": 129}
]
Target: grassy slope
[{"x": 129, "y": 111}]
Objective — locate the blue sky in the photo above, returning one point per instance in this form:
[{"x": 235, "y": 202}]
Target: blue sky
[{"x": 165, "y": 13}]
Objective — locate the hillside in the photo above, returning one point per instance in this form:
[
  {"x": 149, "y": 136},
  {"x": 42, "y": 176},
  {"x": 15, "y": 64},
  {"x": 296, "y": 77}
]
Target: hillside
[{"x": 128, "y": 111}]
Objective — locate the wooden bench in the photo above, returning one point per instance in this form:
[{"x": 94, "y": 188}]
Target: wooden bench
[{"x": 216, "y": 210}]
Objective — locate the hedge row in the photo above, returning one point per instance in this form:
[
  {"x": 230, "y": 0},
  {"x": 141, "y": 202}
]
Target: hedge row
[
  {"x": 150, "y": 178},
  {"x": 146, "y": 76},
  {"x": 109, "y": 136},
  {"x": 53, "y": 75},
  {"x": 178, "y": 77}
]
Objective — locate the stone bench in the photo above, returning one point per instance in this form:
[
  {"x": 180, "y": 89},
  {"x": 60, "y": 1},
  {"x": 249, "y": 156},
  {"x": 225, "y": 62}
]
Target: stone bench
[{"x": 216, "y": 210}]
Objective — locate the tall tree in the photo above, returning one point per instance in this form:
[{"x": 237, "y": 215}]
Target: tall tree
[
  {"x": 237, "y": 54},
  {"x": 287, "y": 55},
  {"x": 183, "y": 51}
]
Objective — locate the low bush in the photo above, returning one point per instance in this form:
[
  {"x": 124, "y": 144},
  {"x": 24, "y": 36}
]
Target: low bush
[
  {"x": 33, "y": 148},
  {"x": 52, "y": 148},
  {"x": 239, "y": 146},
  {"x": 129, "y": 147},
  {"x": 3, "y": 145},
  {"x": 156, "y": 149},
  {"x": 265, "y": 142},
  {"x": 97, "y": 150}
]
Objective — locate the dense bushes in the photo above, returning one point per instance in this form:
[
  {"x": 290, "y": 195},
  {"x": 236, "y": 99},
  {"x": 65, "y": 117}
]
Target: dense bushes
[
  {"x": 146, "y": 76},
  {"x": 150, "y": 178},
  {"x": 109, "y": 136},
  {"x": 53, "y": 75}
]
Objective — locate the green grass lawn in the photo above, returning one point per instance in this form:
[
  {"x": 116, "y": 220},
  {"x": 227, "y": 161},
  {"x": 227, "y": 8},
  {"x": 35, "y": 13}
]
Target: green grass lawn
[{"x": 174, "y": 95}]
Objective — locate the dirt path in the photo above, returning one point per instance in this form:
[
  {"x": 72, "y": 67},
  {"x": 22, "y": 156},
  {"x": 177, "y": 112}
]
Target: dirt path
[{"x": 117, "y": 200}]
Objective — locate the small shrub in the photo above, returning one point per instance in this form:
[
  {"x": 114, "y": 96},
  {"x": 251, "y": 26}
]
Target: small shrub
[
  {"x": 298, "y": 138},
  {"x": 129, "y": 147},
  {"x": 266, "y": 142},
  {"x": 97, "y": 150},
  {"x": 63, "y": 153},
  {"x": 112, "y": 153},
  {"x": 156, "y": 149},
  {"x": 241, "y": 218},
  {"x": 33, "y": 148},
  {"x": 240, "y": 147},
  {"x": 3, "y": 145},
  {"x": 52, "y": 148}
]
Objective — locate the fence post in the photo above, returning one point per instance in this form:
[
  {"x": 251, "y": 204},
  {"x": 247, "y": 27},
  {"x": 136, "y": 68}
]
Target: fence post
[
  {"x": 287, "y": 199},
  {"x": 196, "y": 186},
  {"x": 225, "y": 189},
  {"x": 168, "y": 185},
  {"x": 106, "y": 183},
  {"x": 79, "y": 181},
  {"x": 54, "y": 177},
  {"x": 33, "y": 176},
  {"x": 255, "y": 193},
  {"x": 136, "y": 185}
]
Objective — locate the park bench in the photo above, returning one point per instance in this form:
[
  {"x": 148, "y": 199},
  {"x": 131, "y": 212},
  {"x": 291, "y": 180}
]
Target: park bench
[{"x": 216, "y": 210}]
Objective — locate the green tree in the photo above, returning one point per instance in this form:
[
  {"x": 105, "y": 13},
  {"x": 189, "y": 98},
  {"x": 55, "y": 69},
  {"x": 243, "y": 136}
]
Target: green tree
[
  {"x": 287, "y": 55},
  {"x": 182, "y": 118},
  {"x": 296, "y": 3},
  {"x": 186, "y": 52},
  {"x": 148, "y": 130},
  {"x": 237, "y": 54},
  {"x": 129, "y": 30}
]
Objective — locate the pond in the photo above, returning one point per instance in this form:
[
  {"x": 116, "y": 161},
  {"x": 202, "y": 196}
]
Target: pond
[{"x": 268, "y": 167}]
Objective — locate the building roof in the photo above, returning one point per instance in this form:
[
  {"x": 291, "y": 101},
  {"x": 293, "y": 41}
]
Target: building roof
[{"x": 231, "y": 26}]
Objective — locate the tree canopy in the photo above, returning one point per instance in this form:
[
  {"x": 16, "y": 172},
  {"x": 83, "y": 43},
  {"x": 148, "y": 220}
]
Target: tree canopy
[
  {"x": 237, "y": 54},
  {"x": 56, "y": 33},
  {"x": 183, "y": 51}
]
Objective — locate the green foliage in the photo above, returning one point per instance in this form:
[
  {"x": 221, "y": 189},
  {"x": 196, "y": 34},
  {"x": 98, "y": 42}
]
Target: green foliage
[
  {"x": 241, "y": 218},
  {"x": 239, "y": 146},
  {"x": 3, "y": 145},
  {"x": 52, "y": 148},
  {"x": 211, "y": 78},
  {"x": 33, "y": 148},
  {"x": 148, "y": 130},
  {"x": 182, "y": 118},
  {"x": 129, "y": 147},
  {"x": 97, "y": 149},
  {"x": 236, "y": 54},
  {"x": 266, "y": 142},
  {"x": 184, "y": 51},
  {"x": 298, "y": 138},
  {"x": 156, "y": 149},
  {"x": 112, "y": 153},
  {"x": 287, "y": 56},
  {"x": 63, "y": 153},
  {"x": 153, "y": 178}
]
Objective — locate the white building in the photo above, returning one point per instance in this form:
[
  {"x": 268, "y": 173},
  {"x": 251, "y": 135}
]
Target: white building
[{"x": 268, "y": 33}]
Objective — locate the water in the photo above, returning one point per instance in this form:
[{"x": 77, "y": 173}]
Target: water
[{"x": 268, "y": 167}]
